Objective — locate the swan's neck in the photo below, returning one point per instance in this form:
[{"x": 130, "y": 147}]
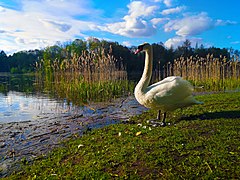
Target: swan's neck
[{"x": 147, "y": 72}]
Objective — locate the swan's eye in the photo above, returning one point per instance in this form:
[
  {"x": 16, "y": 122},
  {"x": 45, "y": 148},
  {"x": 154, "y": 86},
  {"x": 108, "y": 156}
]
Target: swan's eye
[{"x": 140, "y": 48}]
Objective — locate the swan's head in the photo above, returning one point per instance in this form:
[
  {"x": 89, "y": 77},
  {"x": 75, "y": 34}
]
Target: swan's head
[{"x": 142, "y": 47}]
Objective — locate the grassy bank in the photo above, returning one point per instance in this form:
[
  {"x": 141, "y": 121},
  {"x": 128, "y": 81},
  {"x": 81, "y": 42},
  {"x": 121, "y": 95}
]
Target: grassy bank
[{"x": 201, "y": 142}]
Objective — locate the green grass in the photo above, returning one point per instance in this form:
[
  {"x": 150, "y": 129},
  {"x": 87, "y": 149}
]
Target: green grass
[
  {"x": 79, "y": 92},
  {"x": 217, "y": 84},
  {"x": 202, "y": 142}
]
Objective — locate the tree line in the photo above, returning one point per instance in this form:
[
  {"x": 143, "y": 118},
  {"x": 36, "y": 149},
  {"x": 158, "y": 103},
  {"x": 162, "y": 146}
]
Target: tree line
[
  {"x": 20, "y": 62},
  {"x": 25, "y": 61}
]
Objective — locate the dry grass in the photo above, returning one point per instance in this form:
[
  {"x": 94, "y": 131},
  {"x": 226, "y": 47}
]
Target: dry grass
[
  {"x": 88, "y": 64},
  {"x": 92, "y": 76},
  {"x": 214, "y": 73},
  {"x": 198, "y": 68}
]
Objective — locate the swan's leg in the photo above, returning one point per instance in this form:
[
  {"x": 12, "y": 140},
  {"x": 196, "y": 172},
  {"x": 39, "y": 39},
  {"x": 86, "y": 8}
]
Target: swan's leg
[
  {"x": 164, "y": 119},
  {"x": 159, "y": 115},
  {"x": 157, "y": 122}
]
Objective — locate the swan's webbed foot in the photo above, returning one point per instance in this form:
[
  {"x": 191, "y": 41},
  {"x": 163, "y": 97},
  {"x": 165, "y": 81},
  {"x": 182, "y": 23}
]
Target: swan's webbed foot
[{"x": 157, "y": 122}]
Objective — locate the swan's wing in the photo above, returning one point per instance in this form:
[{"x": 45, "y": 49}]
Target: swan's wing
[
  {"x": 170, "y": 90},
  {"x": 166, "y": 80}
]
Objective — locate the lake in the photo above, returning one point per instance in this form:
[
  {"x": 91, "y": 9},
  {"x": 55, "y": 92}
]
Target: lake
[
  {"x": 18, "y": 107},
  {"x": 33, "y": 121},
  {"x": 20, "y": 101},
  {"x": 26, "y": 98}
]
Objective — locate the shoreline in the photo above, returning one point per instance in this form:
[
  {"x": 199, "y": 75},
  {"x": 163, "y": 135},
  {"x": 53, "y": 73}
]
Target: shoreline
[
  {"x": 26, "y": 140},
  {"x": 21, "y": 141}
]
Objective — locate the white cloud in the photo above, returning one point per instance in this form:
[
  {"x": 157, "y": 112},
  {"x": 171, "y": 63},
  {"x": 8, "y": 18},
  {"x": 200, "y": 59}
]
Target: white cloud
[
  {"x": 168, "y": 3},
  {"x": 126, "y": 43},
  {"x": 178, "y": 41},
  {"x": 138, "y": 8},
  {"x": 40, "y": 23},
  {"x": 194, "y": 24},
  {"x": 58, "y": 7},
  {"x": 220, "y": 22},
  {"x": 190, "y": 25},
  {"x": 131, "y": 28},
  {"x": 61, "y": 26},
  {"x": 156, "y": 21},
  {"x": 173, "y": 10},
  {"x": 2, "y": 31},
  {"x": 134, "y": 24},
  {"x": 2, "y": 9},
  {"x": 174, "y": 42},
  {"x": 37, "y": 24}
]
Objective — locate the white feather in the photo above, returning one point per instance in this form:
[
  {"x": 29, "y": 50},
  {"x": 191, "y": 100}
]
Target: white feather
[{"x": 169, "y": 94}]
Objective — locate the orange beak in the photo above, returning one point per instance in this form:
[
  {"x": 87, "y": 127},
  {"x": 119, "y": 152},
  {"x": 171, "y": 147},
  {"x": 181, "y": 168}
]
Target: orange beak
[{"x": 137, "y": 51}]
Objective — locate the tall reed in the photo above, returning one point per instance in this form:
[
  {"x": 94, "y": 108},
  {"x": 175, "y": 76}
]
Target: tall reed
[
  {"x": 92, "y": 76},
  {"x": 213, "y": 73}
]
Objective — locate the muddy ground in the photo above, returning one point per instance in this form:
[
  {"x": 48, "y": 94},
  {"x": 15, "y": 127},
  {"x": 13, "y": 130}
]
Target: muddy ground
[{"x": 27, "y": 140}]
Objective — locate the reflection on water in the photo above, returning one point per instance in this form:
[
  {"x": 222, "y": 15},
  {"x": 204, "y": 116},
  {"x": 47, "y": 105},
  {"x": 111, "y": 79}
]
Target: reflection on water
[
  {"x": 20, "y": 100},
  {"x": 16, "y": 107},
  {"x": 26, "y": 98},
  {"x": 17, "y": 82},
  {"x": 45, "y": 119}
]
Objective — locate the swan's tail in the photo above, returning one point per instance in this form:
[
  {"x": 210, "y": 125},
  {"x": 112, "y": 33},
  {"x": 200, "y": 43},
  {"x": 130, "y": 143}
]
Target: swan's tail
[{"x": 191, "y": 100}]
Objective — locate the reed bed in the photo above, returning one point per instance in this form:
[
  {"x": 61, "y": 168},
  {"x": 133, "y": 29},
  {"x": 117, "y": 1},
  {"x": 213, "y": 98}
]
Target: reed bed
[
  {"x": 88, "y": 64},
  {"x": 92, "y": 76},
  {"x": 215, "y": 74}
]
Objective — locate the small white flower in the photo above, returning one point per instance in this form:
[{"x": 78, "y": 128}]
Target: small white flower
[{"x": 80, "y": 145}]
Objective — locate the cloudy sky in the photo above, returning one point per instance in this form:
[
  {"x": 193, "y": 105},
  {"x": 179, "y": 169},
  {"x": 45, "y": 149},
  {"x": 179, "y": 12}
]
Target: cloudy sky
[{"x": 35, "y": 24}]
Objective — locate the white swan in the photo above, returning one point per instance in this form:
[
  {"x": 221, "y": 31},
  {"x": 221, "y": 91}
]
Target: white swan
[{"x": 167, "y": 95}]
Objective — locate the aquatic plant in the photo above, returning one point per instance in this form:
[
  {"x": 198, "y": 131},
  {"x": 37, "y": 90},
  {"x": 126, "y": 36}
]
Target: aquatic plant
[
  {"x": 210, "y": 72},
  {"x": 92, "y": 76}
]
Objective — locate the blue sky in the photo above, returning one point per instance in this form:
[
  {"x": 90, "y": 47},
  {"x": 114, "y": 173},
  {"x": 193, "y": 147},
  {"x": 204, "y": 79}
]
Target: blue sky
[{"x": 35, "y": 24}]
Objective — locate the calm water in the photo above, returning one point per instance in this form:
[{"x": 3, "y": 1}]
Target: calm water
[
  {"x": 19, "y": 100},
  {"x": 17, "y": 106},
  {"x": 22, "y": 100}
]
